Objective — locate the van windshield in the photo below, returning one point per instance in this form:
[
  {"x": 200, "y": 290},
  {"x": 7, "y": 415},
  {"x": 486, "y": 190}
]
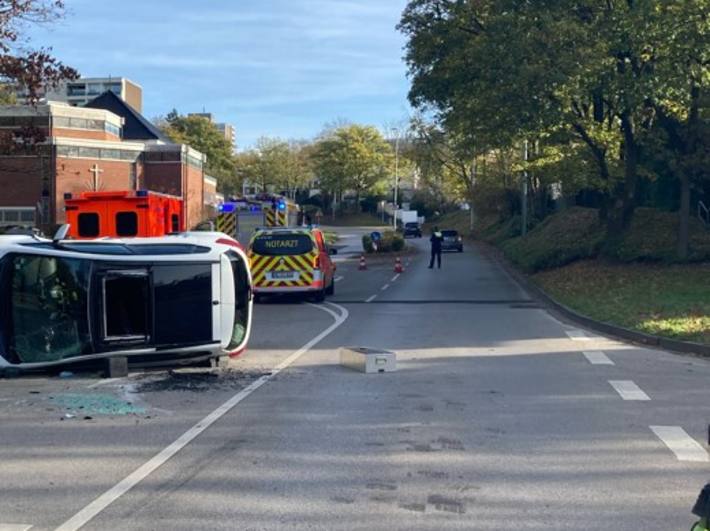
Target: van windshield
[{"x": 282, "y": 244}]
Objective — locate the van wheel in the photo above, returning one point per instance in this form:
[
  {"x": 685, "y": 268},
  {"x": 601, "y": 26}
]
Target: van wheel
[
  {"x": 319, "y": 296},
  {"x": 330, "y": 290}
]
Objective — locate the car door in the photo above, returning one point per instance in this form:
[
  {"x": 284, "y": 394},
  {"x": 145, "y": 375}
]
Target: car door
[{"x": 327, "y": 263}]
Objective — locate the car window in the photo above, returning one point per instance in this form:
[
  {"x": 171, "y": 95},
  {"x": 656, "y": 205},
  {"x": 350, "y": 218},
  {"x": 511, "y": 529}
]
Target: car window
[
  {"x": 283, "y": 244},
  {"x": 49, "y": 307},
  {"x": 449, "y": 233}
]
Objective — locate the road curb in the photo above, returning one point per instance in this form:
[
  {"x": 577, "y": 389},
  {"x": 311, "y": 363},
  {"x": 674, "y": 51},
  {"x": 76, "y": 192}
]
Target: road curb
[{"x": 618, "y": 332}]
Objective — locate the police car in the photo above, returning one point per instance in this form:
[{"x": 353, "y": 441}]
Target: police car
[
  {"x": 292, "y": 260},
  {"x": 178, "y": 299}
]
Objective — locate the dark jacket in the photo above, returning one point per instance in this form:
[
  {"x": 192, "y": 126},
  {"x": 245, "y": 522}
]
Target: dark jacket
[{"x": 436, "y": 239}]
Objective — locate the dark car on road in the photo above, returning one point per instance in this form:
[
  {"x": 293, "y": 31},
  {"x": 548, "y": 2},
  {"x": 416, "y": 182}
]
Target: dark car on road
[
  {"x": 452, "y": 241},
  {"x": 412, "y": 229}
]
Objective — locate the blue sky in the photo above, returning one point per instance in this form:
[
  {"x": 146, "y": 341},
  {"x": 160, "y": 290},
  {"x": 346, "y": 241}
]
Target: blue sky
[{"x": 271, "y": 67}]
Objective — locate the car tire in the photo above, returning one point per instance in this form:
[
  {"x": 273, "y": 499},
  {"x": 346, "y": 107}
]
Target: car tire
[
  {"x": 330, "y": 290},
  {"x": 461, "y": 249}
]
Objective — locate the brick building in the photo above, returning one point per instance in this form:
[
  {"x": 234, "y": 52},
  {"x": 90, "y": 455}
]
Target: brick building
[{"x": 53, "y": 149}]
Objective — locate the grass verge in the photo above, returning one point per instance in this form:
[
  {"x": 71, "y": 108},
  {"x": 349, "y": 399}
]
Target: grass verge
[{"x": 666, "y": 300}]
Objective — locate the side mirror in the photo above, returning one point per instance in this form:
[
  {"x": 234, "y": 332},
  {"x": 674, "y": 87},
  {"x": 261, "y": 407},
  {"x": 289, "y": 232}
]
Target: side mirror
[
  {"x": 332, "y": 251},
  {"x": 61, "y": 234}
]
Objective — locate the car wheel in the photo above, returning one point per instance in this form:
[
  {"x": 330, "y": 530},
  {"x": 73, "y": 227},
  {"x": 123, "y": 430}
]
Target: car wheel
[
  {"x": 330, "y": 290},
  {"x": 461, "y": 249}
]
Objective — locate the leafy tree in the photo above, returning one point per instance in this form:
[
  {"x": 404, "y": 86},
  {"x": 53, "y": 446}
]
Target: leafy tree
[
  {"x": 201, "y": 134},
  {"x": 31, "y": 69},
  {"x": 593, "y": 74},
  {"x": 277, "y": 165},
  {"x": 353, "y": 157}
]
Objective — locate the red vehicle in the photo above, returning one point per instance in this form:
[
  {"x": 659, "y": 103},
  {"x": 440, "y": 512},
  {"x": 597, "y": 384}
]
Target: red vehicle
[{"x": 123, "y": 214}]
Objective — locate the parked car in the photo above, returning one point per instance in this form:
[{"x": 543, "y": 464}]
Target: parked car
[
  {"x": 292, "y": 260},
  {"x": 174, "y": 300},
  {"x": 452, "y": 241},
  {"x": 412, "y": 229}
]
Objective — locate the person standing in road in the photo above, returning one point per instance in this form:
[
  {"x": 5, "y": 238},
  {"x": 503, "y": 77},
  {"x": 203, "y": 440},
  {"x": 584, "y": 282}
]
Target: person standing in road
[{"x": 436, "y": 239}]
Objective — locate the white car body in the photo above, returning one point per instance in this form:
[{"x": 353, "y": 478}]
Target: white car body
[{"x": 171, "y": 300}]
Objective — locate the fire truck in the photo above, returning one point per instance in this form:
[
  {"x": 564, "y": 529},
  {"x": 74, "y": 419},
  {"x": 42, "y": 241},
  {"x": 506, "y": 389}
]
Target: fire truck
[{"x": 123, "y": 214}]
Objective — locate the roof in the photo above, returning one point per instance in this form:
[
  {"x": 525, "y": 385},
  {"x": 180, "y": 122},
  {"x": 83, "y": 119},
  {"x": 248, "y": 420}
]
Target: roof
[{"x": 135, "y": 126}]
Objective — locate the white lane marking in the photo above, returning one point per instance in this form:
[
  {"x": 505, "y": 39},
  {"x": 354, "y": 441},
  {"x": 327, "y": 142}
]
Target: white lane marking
[
  {"x": 577, "y": 335},
  {"x": 99, "y": 384},
  {"x": 370, "y": 299},
  {"x": 681, "y": 444},
  {"x": 385, "y": 287},
  {"x": 597, "y": 357},
  {"x": 394, "y": 278},
  {"x": 83, "y": 517},
  {"x": 15, "y": 527},
  {"x": 628, "y": 390},
  {"x": 338, "y": 279}
]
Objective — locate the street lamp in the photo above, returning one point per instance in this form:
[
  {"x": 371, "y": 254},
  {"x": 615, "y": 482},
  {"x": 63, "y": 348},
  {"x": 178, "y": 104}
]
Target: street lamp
[{"x": 396, "y": 175}]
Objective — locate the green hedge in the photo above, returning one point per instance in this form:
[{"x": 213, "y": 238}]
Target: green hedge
[
  {"x": 570, "y": 235},
  {"x": 390, "y": 242},
  {"x": 652, "y": 236}
]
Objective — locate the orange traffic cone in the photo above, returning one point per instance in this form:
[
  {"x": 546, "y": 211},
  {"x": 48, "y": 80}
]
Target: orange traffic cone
[
  {"x": 398, "y": 267},
  {"x": 363, "y": 265}
]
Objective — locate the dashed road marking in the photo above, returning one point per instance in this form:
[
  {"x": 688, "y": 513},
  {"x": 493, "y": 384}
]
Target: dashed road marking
[
  {"x": 338, "y": 279},
  {"x": 394, "y": 278},
  {"x": 577, "y": 335},
  {"x": 596, "y": 357},
  {"x": 370, "y": 299},
  {"x": 15, "y": 527},
  {"x": 385, "y": 287},
  {"x": 628, "y": 390},
  {"x": 85, "y": 515},
  {"x": 681, "y": 444}
]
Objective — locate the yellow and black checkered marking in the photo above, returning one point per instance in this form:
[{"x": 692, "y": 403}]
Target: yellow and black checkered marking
[
  {"x": 302, "y": 263},
  {"x": 276, "y": 218},
  {"x": 227, "y": 223}
]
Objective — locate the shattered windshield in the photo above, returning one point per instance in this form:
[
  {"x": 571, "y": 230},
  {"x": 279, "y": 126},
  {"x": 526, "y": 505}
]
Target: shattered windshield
[{"x": 49, "y": 307}]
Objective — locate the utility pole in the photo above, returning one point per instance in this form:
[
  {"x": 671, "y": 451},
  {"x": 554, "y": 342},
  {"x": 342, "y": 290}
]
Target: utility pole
[{"x": 524, "y": 228}]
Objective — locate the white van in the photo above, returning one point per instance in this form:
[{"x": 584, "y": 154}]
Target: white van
[{"x": 179, "y": 299}]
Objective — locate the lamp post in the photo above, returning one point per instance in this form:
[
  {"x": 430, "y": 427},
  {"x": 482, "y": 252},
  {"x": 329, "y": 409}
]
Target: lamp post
[{"x": 396, "y": 176}]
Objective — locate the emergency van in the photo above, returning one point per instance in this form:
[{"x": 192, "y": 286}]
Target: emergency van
[{"x": 293, "y": 260}]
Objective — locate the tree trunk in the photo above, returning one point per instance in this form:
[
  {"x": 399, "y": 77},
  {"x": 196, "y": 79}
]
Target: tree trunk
[
  {"x": 684, "y": 216},
  {"x": 624, "y": 202},
  {"x": 692, "y": 135}
]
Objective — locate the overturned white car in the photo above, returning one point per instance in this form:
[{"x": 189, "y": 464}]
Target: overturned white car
[{"x": 179, "y": 299}]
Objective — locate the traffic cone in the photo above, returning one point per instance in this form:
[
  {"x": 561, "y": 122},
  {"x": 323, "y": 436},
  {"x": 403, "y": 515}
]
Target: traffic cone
[
  {"x": 398, "y": 267},
  {"x": 363, "y": 265}
]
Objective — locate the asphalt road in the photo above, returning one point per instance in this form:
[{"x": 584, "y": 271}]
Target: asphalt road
[{"x": 495, "y": 419}]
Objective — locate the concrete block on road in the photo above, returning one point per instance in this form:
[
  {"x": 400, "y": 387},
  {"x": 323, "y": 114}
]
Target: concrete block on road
[
  {"x": 116, "y": 367},
  {"x": 368, "y": 360}
]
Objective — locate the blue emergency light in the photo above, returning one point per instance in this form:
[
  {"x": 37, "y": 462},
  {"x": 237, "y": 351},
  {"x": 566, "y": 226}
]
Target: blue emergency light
[
  {"x": 226, "y": 208},
  {"x": 282, "y": 205}
]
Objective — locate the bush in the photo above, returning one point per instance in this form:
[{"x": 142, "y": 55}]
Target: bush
[
  {"x": 652, "y": 236},
  {"x": 562, "y": 238},
  {"x": 367, "y": 244},
  {"x": 390, "y": 242}
]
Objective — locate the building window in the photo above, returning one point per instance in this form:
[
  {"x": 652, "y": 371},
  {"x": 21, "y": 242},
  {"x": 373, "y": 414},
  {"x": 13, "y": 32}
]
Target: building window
[
  {"x": 88, "y": 225},
  {"x": 96, "y": 153},
  {"x": 112, "y": 129},
  {"x": 76, "y": 90},
  {"x": 194, "y": 162},
  {"x": 126, "y": 223},
  {"x": 175, "y": 222}
]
